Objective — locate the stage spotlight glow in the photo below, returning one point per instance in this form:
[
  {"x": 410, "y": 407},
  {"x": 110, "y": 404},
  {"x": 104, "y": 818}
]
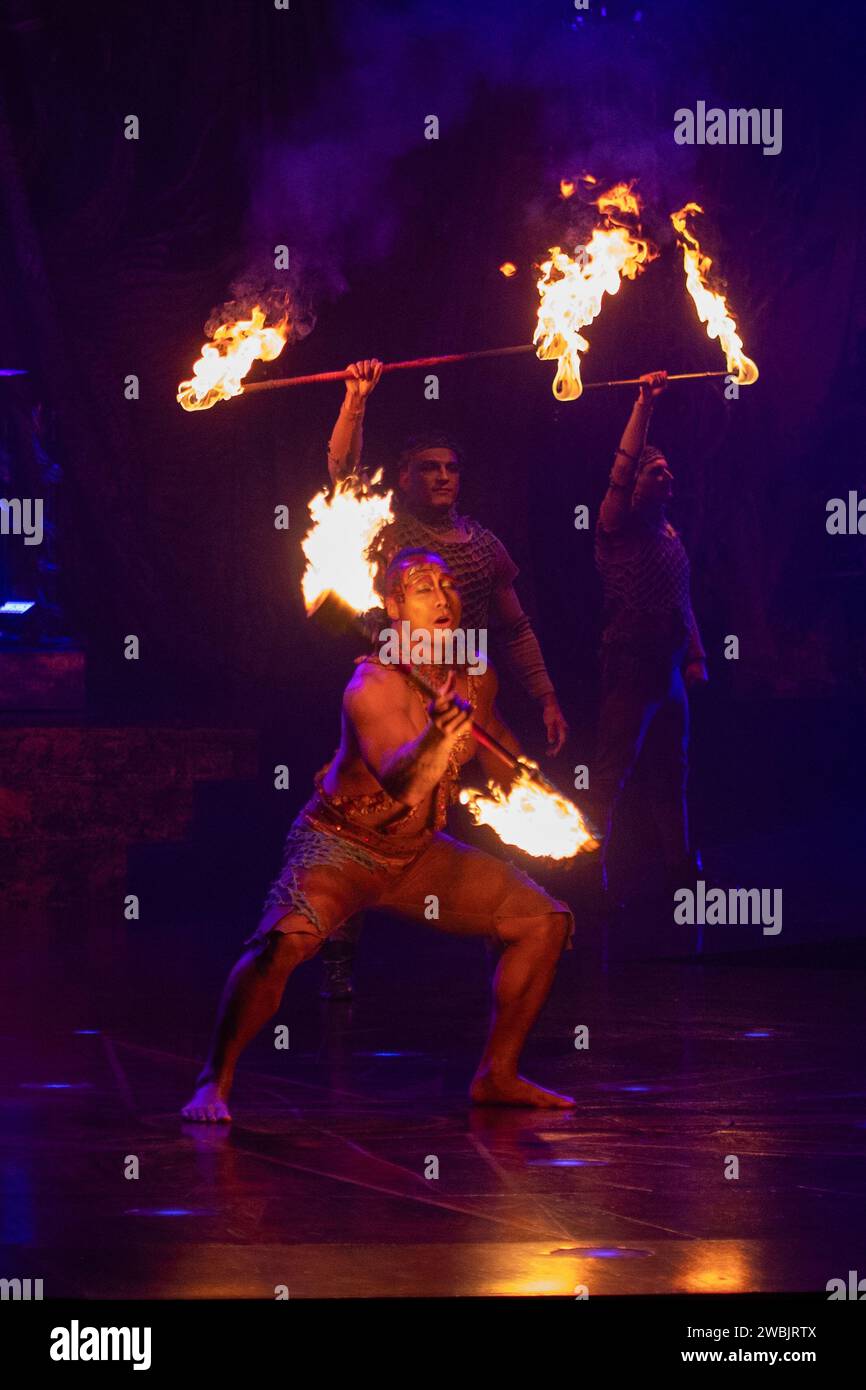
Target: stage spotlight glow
[
  {"x": 168, "y": 1211},
  {"x": 55, "y": 1086}
]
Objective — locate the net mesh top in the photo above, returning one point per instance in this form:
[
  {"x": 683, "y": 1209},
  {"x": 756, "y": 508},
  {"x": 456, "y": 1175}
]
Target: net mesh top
[
  {"x": 645, "y": 572},
  {"x": 480, "y": 563}
]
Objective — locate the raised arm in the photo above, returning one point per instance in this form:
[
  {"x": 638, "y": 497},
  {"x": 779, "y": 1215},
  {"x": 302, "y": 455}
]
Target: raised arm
[
  {"x": 347, "y": 436},
  {"x": 617, "y": 500},
  {"x": 407, "y": 764}
]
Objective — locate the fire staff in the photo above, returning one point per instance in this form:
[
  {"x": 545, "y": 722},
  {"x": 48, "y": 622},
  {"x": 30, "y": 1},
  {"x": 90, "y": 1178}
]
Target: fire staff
[{"x": 372, "y": 835}]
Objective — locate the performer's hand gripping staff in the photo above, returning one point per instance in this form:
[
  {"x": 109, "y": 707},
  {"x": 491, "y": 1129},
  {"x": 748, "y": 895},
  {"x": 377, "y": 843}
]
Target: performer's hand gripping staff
[{"x": 526, "y": 809}]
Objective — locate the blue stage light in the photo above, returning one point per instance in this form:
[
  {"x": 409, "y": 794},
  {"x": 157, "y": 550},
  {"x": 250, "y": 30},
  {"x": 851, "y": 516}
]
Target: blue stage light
[
  {"x": 168, "y": 1211},
  {"x": 566, "y": 1162},
  {"x": 56, "y": 1086},
  {"x": 389, "y": 1054}
]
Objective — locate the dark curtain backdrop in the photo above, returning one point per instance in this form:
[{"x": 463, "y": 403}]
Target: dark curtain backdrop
[{"x": 115, "y": 252}]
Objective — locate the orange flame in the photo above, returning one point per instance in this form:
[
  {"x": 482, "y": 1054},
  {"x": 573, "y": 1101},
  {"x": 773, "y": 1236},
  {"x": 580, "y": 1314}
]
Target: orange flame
[
  {"x": 542, "y": 823},
  {"x": 345, "y": 523},
  {"x": 571, "y": 288},
  {"x": 566, "y": 187},
  {"x": 219, "y": 372},
  {"x": 508, "y": 268},
  {"x": 711, "y": 306},
  {"x": 619, "y": 199}
]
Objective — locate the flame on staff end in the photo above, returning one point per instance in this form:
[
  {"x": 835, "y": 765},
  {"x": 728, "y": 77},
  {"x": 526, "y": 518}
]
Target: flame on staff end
[
  {"x": 508, "y": 268},
  {"x": 345, "y": 524},
  {"x": 711, "y": 306},
  {"x": 219, "y": 372},
  {"x": 618, "y": 200},
  {"x": 571, "y": 288},
  {"x": 542, "y": 823}
]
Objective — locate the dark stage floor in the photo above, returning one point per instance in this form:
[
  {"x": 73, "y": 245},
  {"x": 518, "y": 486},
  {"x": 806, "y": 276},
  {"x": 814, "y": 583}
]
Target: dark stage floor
[{"x": 320, "y": 1184}]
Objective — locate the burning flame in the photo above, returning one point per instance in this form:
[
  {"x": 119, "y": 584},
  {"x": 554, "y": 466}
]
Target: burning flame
[
  {"x": 219, "y": 372},
  {"x": 508, "y": 268},
  {"x": 619, "y": 199},
  {"x": 566, "y": 188},
  {"x": 711, "y": 306},
  {"x": 542, "y": 823},
  {"x": 345, "y": 523},
  {"x": 571, "y": 288}
]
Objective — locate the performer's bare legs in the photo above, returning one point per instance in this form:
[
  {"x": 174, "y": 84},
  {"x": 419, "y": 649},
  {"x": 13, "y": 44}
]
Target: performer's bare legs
[
  {"x": 251, "y": 997},
  {"x": 520, "y": 986}
]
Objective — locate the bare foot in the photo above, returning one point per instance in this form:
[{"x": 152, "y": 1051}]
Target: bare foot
[
  {"x": 207, "y": 1105},
  {"x": 515, "y": 1090}
]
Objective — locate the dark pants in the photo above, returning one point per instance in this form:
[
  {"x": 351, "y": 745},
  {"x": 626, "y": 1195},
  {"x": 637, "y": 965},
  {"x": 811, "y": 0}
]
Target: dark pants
[{"x": 644, "y": 715}]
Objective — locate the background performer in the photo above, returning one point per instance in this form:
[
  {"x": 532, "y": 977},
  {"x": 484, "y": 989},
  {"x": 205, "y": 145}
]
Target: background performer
[{"x": 651, "y": 647}]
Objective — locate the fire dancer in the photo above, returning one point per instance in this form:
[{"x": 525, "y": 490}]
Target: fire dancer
[
  {"x": 651, "y": 647},
  {"x": 428, "y": 483},
  {"x": 372, "y": 835}
]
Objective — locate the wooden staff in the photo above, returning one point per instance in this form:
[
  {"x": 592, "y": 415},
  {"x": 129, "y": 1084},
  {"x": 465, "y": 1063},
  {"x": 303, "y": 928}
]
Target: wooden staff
[{"x": 280, "y": 382}]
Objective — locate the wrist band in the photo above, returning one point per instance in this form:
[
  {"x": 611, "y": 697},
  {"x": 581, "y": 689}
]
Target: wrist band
[{"x": 627, "y": 455}]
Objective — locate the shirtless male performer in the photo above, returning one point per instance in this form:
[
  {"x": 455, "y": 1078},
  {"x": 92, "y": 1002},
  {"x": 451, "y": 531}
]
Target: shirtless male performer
[
  {"x": 372, "y": 835},
  {"x": 428, "y": 482},
  {"x": 651, "y": 647}
]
